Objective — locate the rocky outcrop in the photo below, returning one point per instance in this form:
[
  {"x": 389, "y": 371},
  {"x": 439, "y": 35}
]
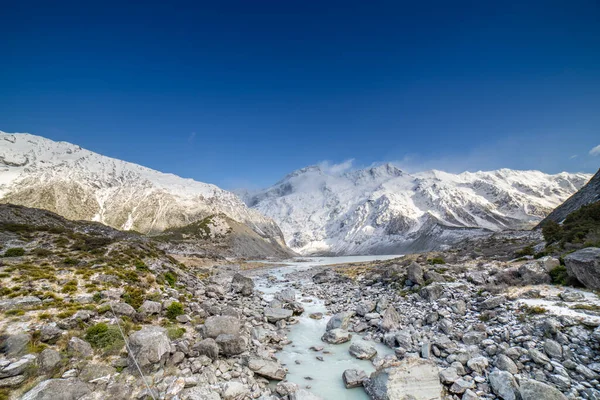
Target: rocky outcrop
[
  {"x": 150, "y": 347},
  {"x": 268, "y": 368},
  {"x": 58, "y": 389},
  {"x": 584, "y": 265}
]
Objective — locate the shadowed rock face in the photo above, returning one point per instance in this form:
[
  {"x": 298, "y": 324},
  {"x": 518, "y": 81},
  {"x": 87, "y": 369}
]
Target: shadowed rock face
[
  {"x": 588, "y": 194},
  {"x": 584, "y": 265}
]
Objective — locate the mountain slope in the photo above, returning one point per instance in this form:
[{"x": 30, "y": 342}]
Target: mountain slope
[
  {"x": 384, "y": 209},
  {"x": 588, "y": 194},
  {"x": 81, "y": 185}
]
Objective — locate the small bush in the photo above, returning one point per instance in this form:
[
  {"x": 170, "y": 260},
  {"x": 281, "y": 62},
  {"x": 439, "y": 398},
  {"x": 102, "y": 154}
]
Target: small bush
[
  {"x": 525, "y": 251},
  {"x": 140, "y": 265},
  {"x": 103, "y": 336},
  {"x": 437, "y": 260},
  {"x": 175, "y": 332},
  {"x": 14, "y": 252},
  {"x": 70, "y": 287},
  {"x": 174, "y": 310},
  {"x": 559, "y": 275},
  {"x": 171, "y": 278},
  {"x": 42, "y": 252},
  {"x": 133, "y": 296}
]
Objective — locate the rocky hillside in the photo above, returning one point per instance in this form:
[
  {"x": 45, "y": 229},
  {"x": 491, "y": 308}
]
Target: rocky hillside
[
  {"x": 588, "y": 194},
  {"x": 383, "y": 210},
  {"x": 81, "y": 185}
]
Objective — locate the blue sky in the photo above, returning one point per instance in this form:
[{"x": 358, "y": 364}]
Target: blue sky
[{"x": 241, "y": 93}]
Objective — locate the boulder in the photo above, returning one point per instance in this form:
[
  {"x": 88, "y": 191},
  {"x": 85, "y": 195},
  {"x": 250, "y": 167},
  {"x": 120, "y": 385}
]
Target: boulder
[
  {"x": 277, "y": 314},
  {"x": 504, "y": 363},
  {"x": 415, "y": 274},
  {"x": 150, "y": 347},
  {"x": 268, "y": 368},
  {"x": 150, "y": 307},
  {"x": 584, "y": 265},
  {"x": 362, "y": 350},
  {"x": 339, "y": 320},
  {"x": 231, "y": 344},
  {"x": 391, "y": 320},
  {"x": 234, "y": 390},
  {"x": 242, "y": 284},
  {"x": 58, "y": 389},
  {"x": 50, "y": 333},
  {"x": 48, "y": 360},
  {"x": 19, "y": 302},
  {"x": 412, "y": 378},
  {"x": 121, "y": 308},
  {"x": 354, "y": 378},
  {"x": 432, "y": 292},
  {"x": 221, "y": 325},
  {"x": 549, "y": 263},
  {"x": 303, "y": 394},
  {"x": 79, "y": 348},
  {"x": 207, "y": 347},
  {"x": 15, "y": 345},
  {"x": 336, "y": 336},
  {"x": 533, "y": 390},
  {"x": 504, "y": 385},
  {"x": 93, "y": 371},
  {"x": 534, "y": 274},
  {"x": 199, "y": 393},
  {"x": 493, "y": 302},
  {"x": 365, "y": 307},
  {"x": 17, "y": 367},
  {"x": 286, "y": 296}
]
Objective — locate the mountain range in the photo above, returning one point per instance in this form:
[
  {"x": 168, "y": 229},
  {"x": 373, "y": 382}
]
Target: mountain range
[{"x": 383, "y": 209}]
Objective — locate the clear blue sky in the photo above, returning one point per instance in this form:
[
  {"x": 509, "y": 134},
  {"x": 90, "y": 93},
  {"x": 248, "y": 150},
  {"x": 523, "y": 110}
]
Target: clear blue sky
[{"x": 241, "y": 93}]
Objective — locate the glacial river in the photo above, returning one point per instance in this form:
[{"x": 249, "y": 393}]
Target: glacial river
[{"x": 324, "y": 377}]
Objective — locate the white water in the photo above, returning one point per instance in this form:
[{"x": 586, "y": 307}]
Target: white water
[{"x": 326, "y": 375}]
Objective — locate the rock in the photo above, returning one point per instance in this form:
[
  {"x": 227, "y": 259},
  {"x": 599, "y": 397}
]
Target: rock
[
  {"x": 231, "y": 344},
  {"x": 303, "y": 394},
  {"x": 449, "y": 375},
  {"x": 415, "y": 274},
  {"x": 150, "y": 347},
  {"x": 286, "y": 296},
  {"x": 19, "y": 302},
  {"x": 432, "y": 292},
  {"x": 391, "y": 320},
  {"x": 121, "y": 308},
  {"x": 476, "y": 277},
  {"x": 553, "y": 348},
  {"x": 548, "y": 263},
  {"x": 286, "y": 388},
  {"x": 267, "y": 368},
  {"x": 15, "y": 345},
  {"x": 13, "y": 381},
  {"x": 365, "y": 307},
  {"x": 362, "y": 350},
  {"x": 469, "y": 395},
  {"x": 277, "y": 314},
  {"x": 473, "y": 337},
  {"x": 339, "y": 320},
  {"x": 354, "y": 378},
  {"x": 50, "y": 333},
  {"x": 538, "y": 357},
  {"x": 459, "y": 307},
  {"x": 571, "y": 296},
  {"x": 504, "y": 363},
  {"x": 93, "y": 371},
  {"x": 234, "y": 390},
  {"x": 79, "y": 348},
  {"x": 534, "y": 274},
  {"x": 221, "y": 325},
  {"x": 48, "y": 360},
  {"x": 207, "y": 347},
  {"x": 493, "y": 302},
  {"x": 478, "y": 364},
  {"x": 533, "y": 390},
  {"x": 584, "y": 265},
  {"x": 150, "y": 307},
  {"x": 461, "y": 385},
  {"x": 17, "y": 367},
  {"x": 58, "y": 389},
  {"x": 413, "y": 378},
  {"x": 317, "y": 315},
  {"x": 504, "y": 385},
  {"x": 242, "y": 284},
  {"x": 432, "y": 276},
  {"x": 336, "y": 336},
  {"x": 199, "y": 393}
]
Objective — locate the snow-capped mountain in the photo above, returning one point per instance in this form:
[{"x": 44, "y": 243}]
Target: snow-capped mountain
[
  {"x": 81, "y": 185},
  {"x": 385, "y": 210}
]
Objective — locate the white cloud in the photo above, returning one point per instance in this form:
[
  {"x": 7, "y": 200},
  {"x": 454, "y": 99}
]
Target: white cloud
[
  {"x": 595, "y": 151},
  {"x": 336, "y": 169},
  {"x": 573, "y": 156}
]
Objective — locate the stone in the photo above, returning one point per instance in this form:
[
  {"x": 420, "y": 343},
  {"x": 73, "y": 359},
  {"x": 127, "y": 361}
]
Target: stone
[
  {"x": 219, "y": 325},
  {"x": 58, "y": 389},
  {"x": 530, "y": 389},
  {"x": 234, "y": 390},
  {"x": 303, "y": 394},
  {"x": 432, "y": 292},
  {"x": 365, "y": 307},
  {"x": 549, "y": 263},
  {"x": 277, "y": 314},
  {"x": 534, "y": 274},
  {"x": 415, "y": 274},
  {"x": 571, "y": 296},
  {"x": 50, "y": 333},
  {"x": 13, "y": 381},
  {"x": 538, "y": 357},
  {"x": 149, "y": 307},
  {"x": 469, "y": 395},
  {"x": 478, "y": 364},
  {"x": 412, "y": 378},
  {"x": 79, "y": 348},
  {"x": 339, "y": 320},
  {"x": 121, "y": 308},
  {"x": 391, "y": 320},
  {"x": 207, "y": 347},
  {"x": 493, "y": 302},
  {"x": 242, "y": 284},
  {"x": 504, "y": 363},
  {"x": 553, "y": 349},
  {"x": 19, "y": 302},
  {"x": 362, "y": 350},
  {"x": 354, "y": 378},
  {"x": 504, "y": 385},
  {"x": 231, "y": 344},
  {"x": 150, "y": 347},
  {"x": 199, "y": 393},
  {"x": 286, "y": 296},
  {"x": 15, "y": 345},
  {"x": 267, "y": 368},
  {"x": 48, "y": 360},
  {"x": 449, "y": 375},
  {"x": 336, "y": 336},
  {"x": 17, "y": 367},
  {"x": 584, "y": 265},
  {"x": 473, "y": 337},
  {"x": 461, "y": 385},
  {"x": 92, "y": 371}
]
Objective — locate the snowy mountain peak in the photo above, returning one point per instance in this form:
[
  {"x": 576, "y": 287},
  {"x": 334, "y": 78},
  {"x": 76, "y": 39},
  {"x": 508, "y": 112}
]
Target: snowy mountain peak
[
  {"x": 83, "y": 185},
  {"x": 383, "y": 209}
]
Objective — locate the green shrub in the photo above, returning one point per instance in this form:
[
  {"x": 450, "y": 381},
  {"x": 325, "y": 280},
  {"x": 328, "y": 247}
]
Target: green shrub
[
  {"x": 140, "y": 265},
  {"x": 103, "y": 336},
  {"x": 171, "y": 278},
  {"x": 70, "y": 287},
  {"x": 175, "y": 332},
  {"x": 437, "y": 260},
  {"x": 14, "y": 252},
  {"x": 525, "y": 251},
  {"x": 559, "y": 275},
  {"x": 133, "y": 296},
  {"x": 174, "y": 310}
]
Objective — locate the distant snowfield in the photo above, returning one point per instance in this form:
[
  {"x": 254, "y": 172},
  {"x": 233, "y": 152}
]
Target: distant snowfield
[{"x": 383, "y": 210}]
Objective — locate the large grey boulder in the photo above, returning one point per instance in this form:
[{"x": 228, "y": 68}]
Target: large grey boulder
[
  {"x": 207, "y": 347},
  {"x": 277, "y": 314},
  {"x": 268, "y": 368},
  {"x": 303, "y": 394},
  {"x": 493, "y": 302},
  {"x": 199, "y": 393},
  {"x": 413, "y": 378},
  {"x": 354, "y": 378},
  {"x": 150, "y": 347},
  {"x": 19, "y": 302},
  {"x": 149, "y": 307},
  {"x": 242, "y": 284},
  {"x": 231, "y": 344},
  {"x": 339, "y": 320},
  {"x": 505, "y": 363},
  {"x": 121, "y": 308},
  {"x": 365, "y": 307},
  {"x": 48, "y": 360},
  {"x": 79, "y": 348},
  {"x": 362, "y": 350},
  {"x": 534, "y": 390},
  {"x": 432, "y": 292},
  {"x": 415, "y": 274},
  {"x": 336, "y": 336},
  {"x": 221, "y": 325},
  {"x": 391, "y": 320},
  {"x": 534, "y": 274},
  {"x": 584, "y": 265},
  {"x": 17, "y": 367},
  {"x": 286, "y": 296},
  {"x": 15, "y": 345},
  {"x": 58, "y": 389},
  {"x": 234, "y": 390},
  {"x": 50, "y": 333},
  {"x": 504, "y": 385}
]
